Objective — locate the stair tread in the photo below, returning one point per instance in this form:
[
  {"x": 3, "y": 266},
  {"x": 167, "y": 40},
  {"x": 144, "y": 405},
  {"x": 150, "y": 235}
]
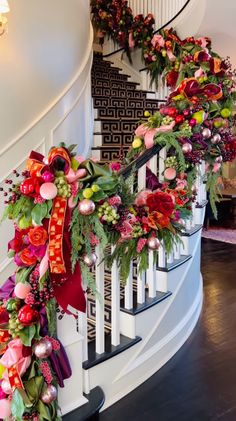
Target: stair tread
[
  {"x": 96, "y": 399},
  {"x": 110, "y": 350}
]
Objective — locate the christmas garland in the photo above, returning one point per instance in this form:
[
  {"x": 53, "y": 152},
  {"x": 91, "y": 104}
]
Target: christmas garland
[
  {"x": 198, "y": 116},
  {"x": 62, "y": 208}
]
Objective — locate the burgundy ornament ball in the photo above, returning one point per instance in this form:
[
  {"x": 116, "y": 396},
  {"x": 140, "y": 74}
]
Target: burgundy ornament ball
[
  {"x": 187, "y": 148},
  {"x": 86, "y": 207},
  {"x": 49, "y": 395},
  {"x": 43, "y": 348},
  {"x": 153, "y": 243}
]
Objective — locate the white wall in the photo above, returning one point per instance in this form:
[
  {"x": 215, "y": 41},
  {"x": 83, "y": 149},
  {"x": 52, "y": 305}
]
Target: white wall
[{"x": 45, "y": 62}]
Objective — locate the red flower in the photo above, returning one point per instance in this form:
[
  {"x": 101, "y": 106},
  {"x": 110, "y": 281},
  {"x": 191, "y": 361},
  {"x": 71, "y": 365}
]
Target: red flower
[
  {"x": 38, "y": 236},
  {"x": 171, "y": 78},
  {"x": 160, "y": 202},
  {"x": 18, "y": 241},
  {"x": 27, "y": 257}
]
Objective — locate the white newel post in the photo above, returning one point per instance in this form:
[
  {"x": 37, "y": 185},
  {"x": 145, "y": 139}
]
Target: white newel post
[{"x": 71, "y": 396}]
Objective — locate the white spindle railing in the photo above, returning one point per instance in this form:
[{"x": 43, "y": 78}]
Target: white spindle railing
[
  {"x": 129, "y": 290},
  {"x": 115, "y": 305},
  {"x": 100, "y": 328}
]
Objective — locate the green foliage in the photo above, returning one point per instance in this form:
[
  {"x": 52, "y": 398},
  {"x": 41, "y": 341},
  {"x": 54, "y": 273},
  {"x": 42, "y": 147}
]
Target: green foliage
[
  {"x": 22, "y": 274},
  {"x": 81, "y": 226},
  {"x": 88, "y": 278},
  {"x": 27, "y": 334},
  {"x": 213, "y": 189},
  {"x": 22, "y": 207},
  {"x": 170, "y": 140},
  {"x": 51, "y": 316},
  {"x": 17, "y": 405},
  {"x": 41, "y": 211}
]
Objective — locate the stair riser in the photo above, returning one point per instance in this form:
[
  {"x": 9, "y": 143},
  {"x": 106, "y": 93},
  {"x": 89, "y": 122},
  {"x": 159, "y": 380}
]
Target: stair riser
[
  {"x": 114, "y": 127},
  {"x": 115, "y": 84},
  {"x": 117, "y": 93},
  {"x": 125, "y": 103}
]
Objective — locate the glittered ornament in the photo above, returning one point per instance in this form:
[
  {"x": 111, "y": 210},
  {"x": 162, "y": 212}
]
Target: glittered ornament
[
  {"x": 21, "y": 290},
  {"x": 216, "y": 139},
  {"x": 187, "y": 148},
  {"x": 153, "y": 243},
  {"x": 49, "y": 395},
  {"x": 219, "y": 159},
  {"x": 89, "y": 259},
  {"x": 28, "y": 315},
  {"x": 206, "y": 133},
  {"x": 170, "y": 173},
  {"x": 86, "y": 207},
  {"x": 43, "y": 348},
  {"x": 48, "y": 191}
]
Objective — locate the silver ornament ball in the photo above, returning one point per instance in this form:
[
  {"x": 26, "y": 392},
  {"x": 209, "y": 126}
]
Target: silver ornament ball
[
  {"x": 216, "y": 139},
  {"x": 187, "y": 148},
  {"x": 153, "y": 243},
  {"x": 43, "y": 348},
  {"x": 89, "y": 259},
  {"x": 206, "y": 133},
  {"x": 49, "y": 395},
  {"x": 86, "y": 207}
]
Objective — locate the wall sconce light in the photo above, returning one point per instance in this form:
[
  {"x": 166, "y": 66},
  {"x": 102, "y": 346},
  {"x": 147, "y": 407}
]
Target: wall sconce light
[{"x": 4, "y": 8}]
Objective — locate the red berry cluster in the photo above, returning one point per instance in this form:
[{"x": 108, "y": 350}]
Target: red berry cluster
[{"x": 37, "y": 296}]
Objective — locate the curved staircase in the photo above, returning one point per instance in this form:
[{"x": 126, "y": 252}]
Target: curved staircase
[{"x": 131, "y": 331}]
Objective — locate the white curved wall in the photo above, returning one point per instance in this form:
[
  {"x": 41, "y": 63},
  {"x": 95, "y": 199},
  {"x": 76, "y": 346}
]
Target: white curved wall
[
  {"x": 41, "y": 53},
  {"x": 45, "y": 62}
]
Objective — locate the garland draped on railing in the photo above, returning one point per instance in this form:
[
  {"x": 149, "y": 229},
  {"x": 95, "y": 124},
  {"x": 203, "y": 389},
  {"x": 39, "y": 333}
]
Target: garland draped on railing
[
  {"x": 64, "y": 206},
  {"x": 198, "y": 116}
]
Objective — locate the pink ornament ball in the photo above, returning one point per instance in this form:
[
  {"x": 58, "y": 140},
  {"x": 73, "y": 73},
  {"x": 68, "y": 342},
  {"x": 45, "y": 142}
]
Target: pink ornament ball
[
  {"x": 187, "y": 148},
  {"x": 49, "y": 395},
  {"x": 86, "y": 207},
  {"x": 170, "y": 173},
  {"x": 48, "y": 191},
  {"x": 153, "y": 243},
  {"x": 5, "y": 408},
  {"x": 21, "y": 290},
  {"x": 43, "y": 348},
  {"x": 6, "y": 387}
]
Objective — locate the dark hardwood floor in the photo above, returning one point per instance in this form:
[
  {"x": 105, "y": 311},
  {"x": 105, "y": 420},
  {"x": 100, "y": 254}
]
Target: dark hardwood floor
[{"x": 199, "y": 383}]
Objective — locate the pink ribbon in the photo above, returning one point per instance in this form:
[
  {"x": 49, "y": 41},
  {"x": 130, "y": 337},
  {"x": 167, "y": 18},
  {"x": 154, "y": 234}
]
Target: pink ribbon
[
  {"x": 158, "y": 40},
  {"x": 13, "y": 356},
  {"x": 149, "y": 136}
]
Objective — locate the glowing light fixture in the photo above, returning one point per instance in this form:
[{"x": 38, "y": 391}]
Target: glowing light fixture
[{"x": 4, "y": 8}]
